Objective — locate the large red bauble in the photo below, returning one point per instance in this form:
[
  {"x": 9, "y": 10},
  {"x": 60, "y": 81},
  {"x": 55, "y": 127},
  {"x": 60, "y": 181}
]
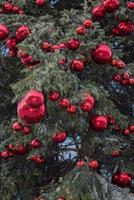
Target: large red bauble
[
  {"x": 4, "y": 32},
  {"x": 111, "y": 5},
  {"x": 102, "y": 54},
  {"x": 22, "y": 32},
  {"x": 54, "y": 95},
  {"x": 40, "y": 2},
  {"x": 11, "y": 43},
  {"x": 99, "y": 123},
  {"x": 64, "y": 102},
  {"x": 130, "y": 5},
  {"x": 20, "y": 149},
  {"x": 34, "y": 99},
  {"x": 8, "y": 7},
  {"x": 88, "y": 23},
  {"x": 94, "y": 164},
  {"x": 98, "y": 12},
  {"x": 30, "y": 115},
  {"x": 77, "y": 65},
  {"x": 125, "y": 28},
  {"x": 86, "y": 106},
  {"x": 73, "y": 44},
  {"x": 59, "y": 137},
  {"x": 17, "y": 126},
  {"x": 36, "y": 143},
  {"x": 122, "y": 179}
]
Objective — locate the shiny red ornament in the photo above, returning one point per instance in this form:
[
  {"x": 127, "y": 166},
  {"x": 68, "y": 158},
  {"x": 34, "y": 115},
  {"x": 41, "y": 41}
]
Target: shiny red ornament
[
  {"x": 117, "y": 77},
  {"x": 88, "y": 23},
  {"x": 59, "y": 137},
  {"x": 122, "y": 179},
  {"x": 89, "y": 98},
  {"x": 20, "y": 149},
  {"x": 77, "y": 65},
  {"x": 11, "y": 43},
  {"x": 26, "y": 130},
  {"x": 36, "y": 143},
  {"x": 72, "y": 108},
  {"x": 40, "y": 2},
  {"x": 62, "y": 45},
  {"x": 111, "y": 6},
  {"x": 17, "y": 126},
  {"x": 55, "y": 48},
  {"x": 54, "y": 95},
  {"x": 22, "y": 32},
  {"x": 126, "y": 131},
  {"x": 8, "y": 7},
  {"x": 81, "y": 30},
  {"x": 130, "y": 5},
  {"x": 99, "y": 123},
  {"x": 10, "y": 147},
  {"x": 131, "y": 81},
  {"x": 26, "y": 60},
  {"x": 21, "y": 54},
  {"x": 46, "y": 46},
  {"x": 30, "y": 115},
  {"x": 86, "y": 106},
  {"x": 40, "y": 161},
  {"x": 5, "y": 154},
  {"x": 125, "y": 28},
  {"x": 98, "y": 12},
  {"x": 34, "y": 98},
  {"x": 12, "y": 52},
  {"x": 15, "y": 9},
  {"x": 120, "y": 64},
  {"x": 102, "y": 54},
  {"x": 131, "y": 128},
  {"x": 94, "y": 164},
  {"x": 4, "y": 32},
  {"x": 80, "y": 163},
  {"x": 64, "y": 102},
  {"x": 115, "y": 154},
  {"x": 126, "y": 75},
  {"x": 73, "y": 44},
  {"x": 61, "y": 198}
]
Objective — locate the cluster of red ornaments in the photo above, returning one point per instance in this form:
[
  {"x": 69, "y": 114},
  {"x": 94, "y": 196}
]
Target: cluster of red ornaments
[
  {"x": 123, "y": 28},
  {"x": 93, "y": 164},
  {"x": 38, "y": 159},
  {"x": 9, "y": 8},
  {"x": 18, "y": 127},
  {"x": 129, "y": 130},
  {"x": 118, "y": 63},
  {"x": 107, "y": 6},
  {"x": 32, "y": 109},
  {"x": 124, "y": 78},
  {"x": 81, "y": 30}
]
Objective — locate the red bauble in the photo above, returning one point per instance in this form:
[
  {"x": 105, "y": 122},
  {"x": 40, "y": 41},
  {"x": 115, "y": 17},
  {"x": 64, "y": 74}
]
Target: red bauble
[
  {"x": 55, "y": 48},
  {"x": 15, "y": 9},
  {"x": 54, "y": 96},
  {"x": 80, "y": 163},
  {"x": 11, "y": 43},
  {"x": 17, "y": 126},
  {"x": 72, "y": 108},
  {"x": 40, "y": 2},
  {"x": 5, "y": 154},
  {"x": 131, "y": 81},
  {"x": 98, "y": 12},
  {"x": 8, "y": 7},
  {"x": 40, "y": 161},
  {"x": 77, "y": 65},
  {"x": 94, "y": 164},
  {"x": 12, "y": 52},
  {"x": 86, "y": 106},
  {"x": 120, "y": 64},
  {"x": 125, "y": 28},
  {"x": 111, "y": 5},
  {"x": 115, "y": 154},
  {"x": 4, "y": 32},
  {"x": 88, "y": 23},
  {"x": 26, "y": 60},
  {"x": 26, "y": 130},
  {"x": 20, "y": 149},
  {"x": 81, "y": 30},
  {"x": 34, "y": 157},
  {"x": 61, "y": 198},
  {"x": 122, "y": 179},
  {"x": 10, "y": 147},
  {"x": 90, "y": 99},
  {"x": 34, "y": 99},
  {"x": 59, "y": 137},
  {"x": 35, "y": 144},
  {"x": 21, "y": 54},
  {"x": 99, "y": 123},
  {"x": 46, "y": 46},
  {"x": 126, "y": 131},
  {"x": 22, "y": 32},
  {"x": 117, "y": 77},
  {"x": 30, "y": 115},
  {"x": 102, "y": 54},
  {"x": 73, "y": 44},
  {"x": 131, "y": 128},
  {"x": 130, "y": 5},
  {"x": 62, "y": 45},
  {"x": 64, "y": 102}
]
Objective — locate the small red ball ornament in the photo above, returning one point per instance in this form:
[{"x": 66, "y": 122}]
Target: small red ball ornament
[
  {"x": 17, "y": 126},
  {"x": 4, "y": 32},
  {"x": 72, "y": 108},
  {"x": 117, "y": 77},
  {"x": 80, "y": 163},
  {"x": 36, "y": 143},
  {"x": 40, "y": 161},
  {"x": 20, "y": 149},
  {"x": 59, "y": 137},
  {"x": 99, "y": 123},
  {"x": 88, "y": 23},
  {"x": 40, "y": 2},
  {"x": 22, "y": 32},
  {"x": 111, "y": 6},
  {"x": 11, "y": 43},
  {"x": 115, "y": 154},
  {"x": 86, "y": 106},
  {"x": 5, "y": 154},
  {"x": 122, "y": 179},
  {"x": 102, "y": 54},
  {"x": 77, "y": 65},
  {"x": 64, "y": 102},
  {"x": 131, "y": 128},
  {"x": 126, "y": 131},
  {"x": 130, "y": 5},
  {"x": 94, "y": 164},
  {"x": 98, "y": 12},
  {"x": 73, "y": 44},
  {"x": 34, "y": 99},
  {"x": 26, "y": 130},
  {"x": 54, "y": 96},
  {"x": 8, "y": 7},
  {"x": 81, "y": 30},
  {"x": 46, "y": 46},
  {"x": 125, "y": 28}
]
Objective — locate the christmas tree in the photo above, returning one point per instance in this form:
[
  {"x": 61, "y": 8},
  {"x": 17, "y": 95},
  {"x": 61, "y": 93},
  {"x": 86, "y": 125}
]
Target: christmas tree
[{"x": 66, "y": 101}]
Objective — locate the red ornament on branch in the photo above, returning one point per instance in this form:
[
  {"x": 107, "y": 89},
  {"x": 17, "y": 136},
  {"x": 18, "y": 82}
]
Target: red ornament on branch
[
  {"x": 34, "y": 99},
  {"x": 77, "y": 65},
  {"x": 94, "y": 164},
  {"x": 22, "y": 32},
  {"x": 111, "y": 6},
  {"x": 98, "y": 12},
  {"x": 99, "y": 123},
  {"x": 4, "y": 32},
  {"x": 59, "y": 137},
  {"x": 122, "y": 179},
  {"x": 73, "y": 44}
]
